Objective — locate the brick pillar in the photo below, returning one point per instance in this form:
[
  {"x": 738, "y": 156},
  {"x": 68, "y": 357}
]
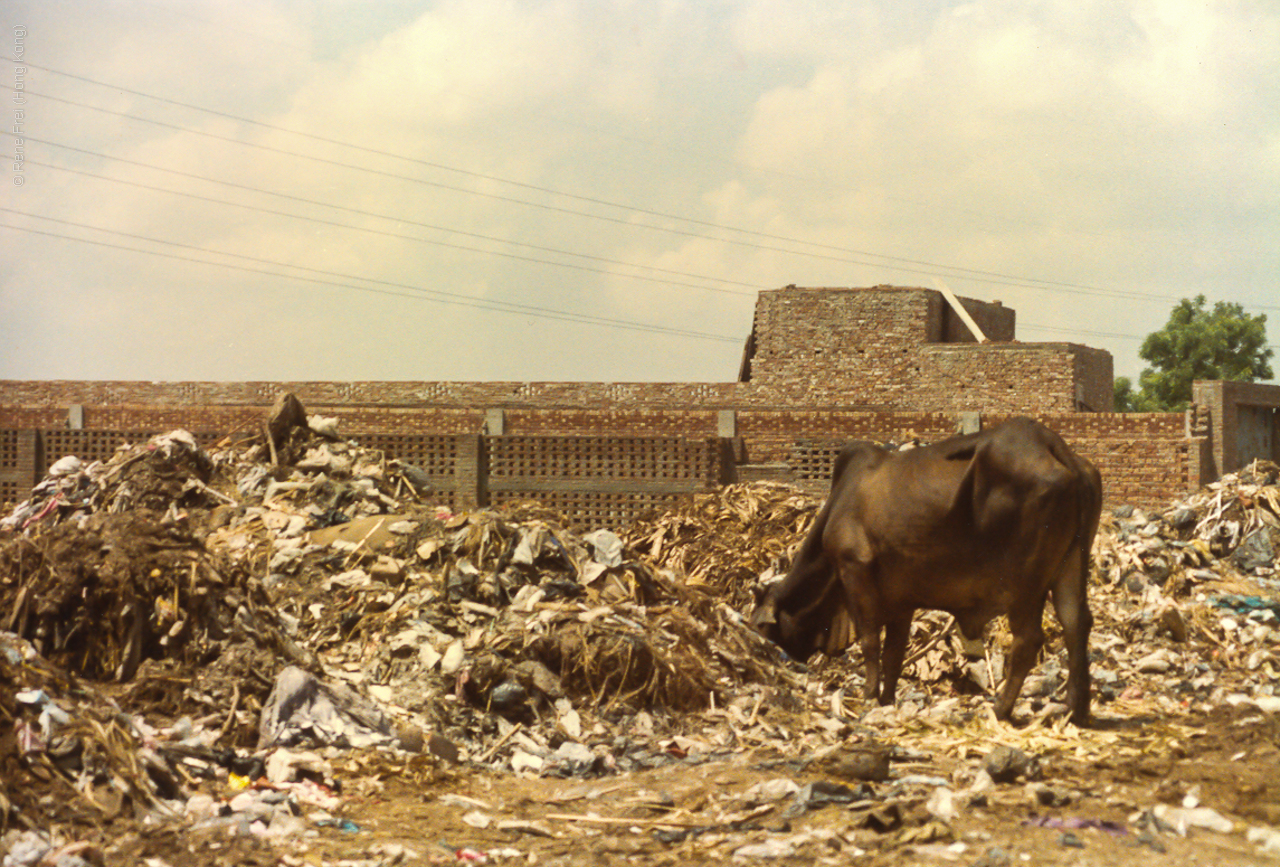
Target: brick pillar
[
  {"x": 471, "y": 476},
  {"x": 30, "y": 459},
  {"x": 1200, "y": 438},
  {"x": 495, "y": 423}
]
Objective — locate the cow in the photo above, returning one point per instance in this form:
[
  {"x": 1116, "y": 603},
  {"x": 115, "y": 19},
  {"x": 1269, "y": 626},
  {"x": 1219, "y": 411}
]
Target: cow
[{"x": 978, "y": 525}]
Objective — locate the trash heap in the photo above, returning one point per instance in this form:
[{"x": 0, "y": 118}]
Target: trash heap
[
  {"x": 1232, "y": 526},
  {"x": 296, "y": 590},
  {"x": 215, "y": 641},
  {"x": 734, "y": 541},
  {"x": 1193, "y": 595}
]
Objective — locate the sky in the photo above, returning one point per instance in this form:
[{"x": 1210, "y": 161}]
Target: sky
[{"x": 597, "y": 189}]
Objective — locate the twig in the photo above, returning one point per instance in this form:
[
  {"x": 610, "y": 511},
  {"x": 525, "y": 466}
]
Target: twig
[
  {"x": 937, "y": 636},
  {"x": 351, "y": 558},
  {"x": 271, "y": 444},
  {"x": 231, "y": 717},
  {"x": 203, "y": 488},
  {"x": 756, "y": 710},
  {"x": 615, "y": 820},
  {"x": 724, "y": 822},
  {"x": 493, "y": 750}
]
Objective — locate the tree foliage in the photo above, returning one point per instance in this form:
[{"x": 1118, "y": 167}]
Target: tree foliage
[{"x": 1197, "y": 343}]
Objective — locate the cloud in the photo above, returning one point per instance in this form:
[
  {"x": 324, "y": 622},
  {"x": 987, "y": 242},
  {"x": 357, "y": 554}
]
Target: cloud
[
  {"x": 1030, "y": 139},
  {"x": 1118, "y": 146}
]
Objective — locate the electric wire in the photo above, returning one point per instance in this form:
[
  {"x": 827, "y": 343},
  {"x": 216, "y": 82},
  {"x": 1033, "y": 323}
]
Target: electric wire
[
  {"x": 1103, "y": 292},
  {"x": 383, "y": 232},
  {"x": 979, "y": 275},
  {"x": 511, "y": 182},
  {"x": 913, "y": 266},
  {"x": 416, "y": 292}
]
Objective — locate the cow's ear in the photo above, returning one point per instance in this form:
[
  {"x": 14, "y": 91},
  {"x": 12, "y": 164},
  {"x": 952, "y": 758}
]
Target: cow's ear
[{"x": 764, "y": 615}]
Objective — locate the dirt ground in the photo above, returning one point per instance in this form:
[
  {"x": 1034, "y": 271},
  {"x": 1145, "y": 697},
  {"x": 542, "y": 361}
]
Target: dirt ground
[{"x": 696, "y": 810}]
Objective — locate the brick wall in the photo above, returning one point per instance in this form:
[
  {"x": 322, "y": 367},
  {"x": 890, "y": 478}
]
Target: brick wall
[
  {"x": 908, "y": 349},
  {"x": 52, "y": 397},
  {"x": 813, "y": 340},
  {"x": 1250, "y": 422},
  {"x": 825, "y": 365},
  {"x": 1014, "y": 378},
  {"x": 994, "y": 320},
  {"x": 1146, "y": 459}
]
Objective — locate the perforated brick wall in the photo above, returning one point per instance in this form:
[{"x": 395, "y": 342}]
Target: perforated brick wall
[
  {"x": 771, "y": 435},
  {"x": 602, "y": 481},
  {"x": 822, "y": 366},
  {"x": 438, "y": 456},
  {"x": 17, "y": 464},
  {"x": 671, "y": 460}
]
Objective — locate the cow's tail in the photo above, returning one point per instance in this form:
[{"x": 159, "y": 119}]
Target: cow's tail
[{"x": 1071, "y": 590}]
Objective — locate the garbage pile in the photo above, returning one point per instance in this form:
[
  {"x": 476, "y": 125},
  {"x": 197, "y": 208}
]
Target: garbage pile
[
  {"x": 733, "y": 541},
  {"x": 1230, "y": 526},
  {"x": 1194, "y": 594},
  {"x": 224, "y": 641},
  {"x": 299, "y": 591}
]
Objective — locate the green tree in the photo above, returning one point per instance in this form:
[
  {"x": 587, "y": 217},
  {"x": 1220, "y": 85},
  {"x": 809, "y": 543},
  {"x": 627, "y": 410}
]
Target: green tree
[
  {"x": 1196, "y": 343},
  {"x": 1125, "y": 398}
]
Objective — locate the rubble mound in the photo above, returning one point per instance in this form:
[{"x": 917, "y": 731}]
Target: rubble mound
[
  {"x": 212, "y": 639},
  {"x": 103, "y": 594},
  {"x": 1231, "y": 526},
  {"x": 731, "y": 541}
]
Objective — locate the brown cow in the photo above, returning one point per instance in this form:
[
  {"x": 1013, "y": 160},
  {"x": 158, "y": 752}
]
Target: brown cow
[{"x": 977, "y": 525}]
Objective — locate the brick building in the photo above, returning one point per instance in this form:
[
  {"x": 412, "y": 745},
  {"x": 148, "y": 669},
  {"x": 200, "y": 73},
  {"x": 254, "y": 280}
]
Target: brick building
[
  {"x": 909, "y": 349},
  {"x": 820, "y": 366}
]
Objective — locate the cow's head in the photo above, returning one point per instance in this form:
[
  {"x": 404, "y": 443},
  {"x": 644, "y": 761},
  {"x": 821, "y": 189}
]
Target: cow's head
[
  {"x": 820, "y": 623},
  {"x": 794, "y": 632}
]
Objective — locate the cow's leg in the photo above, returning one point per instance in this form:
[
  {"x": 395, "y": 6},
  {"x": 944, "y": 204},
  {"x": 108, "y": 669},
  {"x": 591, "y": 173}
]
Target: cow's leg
[
  {"x": 895, "y": 650},
  {"x": 869, "y": 641},
  {"x": 1028, "y": 638},
  {"x": 862, "y": 601},
  {"x": 1072, "y": 607}
]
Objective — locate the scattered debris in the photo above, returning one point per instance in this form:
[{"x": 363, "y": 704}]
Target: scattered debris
[{"x": 280, "y": 650}]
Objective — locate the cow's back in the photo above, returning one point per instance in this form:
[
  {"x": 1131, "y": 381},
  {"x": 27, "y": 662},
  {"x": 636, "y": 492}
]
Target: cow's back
[{"x": 947, "y": 526}]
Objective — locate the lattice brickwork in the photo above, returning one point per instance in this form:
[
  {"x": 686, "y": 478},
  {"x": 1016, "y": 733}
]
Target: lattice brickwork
[
  {"x": 812, "y": 461},
  {"x": 8, "y": 448},
  {"x": 437, "y": 456},
  {"x": 599, "y": 458},
  {"x": 87, "y": 445},
  {"x": 590, "y": 511},
  {"x": 13, "y": 489}
]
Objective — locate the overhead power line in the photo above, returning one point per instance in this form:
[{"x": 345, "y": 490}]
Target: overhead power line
[
  {"x": 417, "y": 292},
  {"x": 664, "y": 280},
  {"x": 1031, "y": 327},
  {"x": 916, "y": 266},
  {"x": 483, "y": 176},
  {"x": 300, "y": 199},
  {"x": 923, "y": 266}
]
